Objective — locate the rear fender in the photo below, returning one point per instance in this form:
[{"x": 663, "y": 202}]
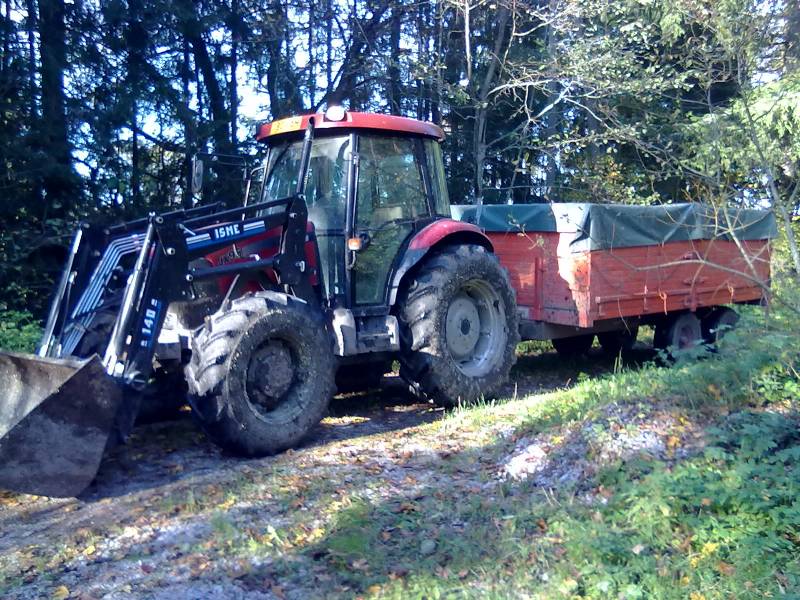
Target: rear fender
[{"x": 444, "y": 232}]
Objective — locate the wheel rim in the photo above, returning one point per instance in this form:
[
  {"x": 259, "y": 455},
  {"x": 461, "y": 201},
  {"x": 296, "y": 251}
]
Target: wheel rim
[
  {"x": 475, "y": 331},
  {"x": 271, "y": 374},
  {"x": 686, "y": 337}
]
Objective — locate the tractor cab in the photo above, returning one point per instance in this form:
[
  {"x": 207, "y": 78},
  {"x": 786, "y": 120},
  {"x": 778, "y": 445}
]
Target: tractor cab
[{"x": 371, "y": 183}]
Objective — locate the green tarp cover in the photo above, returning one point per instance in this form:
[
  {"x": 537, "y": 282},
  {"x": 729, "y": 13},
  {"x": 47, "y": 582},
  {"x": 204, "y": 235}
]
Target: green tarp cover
[{"x": 603, "y": 226}]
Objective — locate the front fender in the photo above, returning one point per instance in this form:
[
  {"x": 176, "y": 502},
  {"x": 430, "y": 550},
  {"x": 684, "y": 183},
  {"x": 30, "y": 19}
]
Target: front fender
[{"x": 444, "y": 232}]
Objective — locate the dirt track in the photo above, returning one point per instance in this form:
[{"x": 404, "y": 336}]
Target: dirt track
[{"x": 147, "y": 528}]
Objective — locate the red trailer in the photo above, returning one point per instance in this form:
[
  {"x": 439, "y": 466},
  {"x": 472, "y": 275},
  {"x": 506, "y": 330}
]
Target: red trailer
[{"x": 586, "y": 269}]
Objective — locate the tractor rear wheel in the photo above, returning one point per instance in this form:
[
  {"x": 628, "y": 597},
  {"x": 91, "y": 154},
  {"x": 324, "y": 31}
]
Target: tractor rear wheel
[
  {"x": 261, "y": 374},
  {"x": 459, "y": 326}
]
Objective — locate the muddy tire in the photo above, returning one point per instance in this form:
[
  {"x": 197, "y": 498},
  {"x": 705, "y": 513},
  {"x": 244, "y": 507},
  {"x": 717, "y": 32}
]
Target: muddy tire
[
  {"x": 459, "y": 326},
  {"x": 261, "y": 374},
  {"x": 575, "y": 346},
  {"x": 718, "y": 323},
  {"x": 621, "y": 341}
]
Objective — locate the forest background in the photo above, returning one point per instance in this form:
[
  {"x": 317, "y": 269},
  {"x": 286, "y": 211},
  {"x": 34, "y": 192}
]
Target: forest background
[{"x": 635, "y": 101}]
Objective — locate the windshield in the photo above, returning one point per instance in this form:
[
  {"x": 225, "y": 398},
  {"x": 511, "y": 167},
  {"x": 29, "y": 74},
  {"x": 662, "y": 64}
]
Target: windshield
[{"x": 327, "y": 172}]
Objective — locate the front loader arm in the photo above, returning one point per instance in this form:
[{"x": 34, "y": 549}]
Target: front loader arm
[{"x": 163, "y": 273}]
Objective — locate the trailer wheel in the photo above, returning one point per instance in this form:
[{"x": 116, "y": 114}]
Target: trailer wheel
[
  {"x": 574, "y": 346},
  {"x": 718, "y": 323},
  {"x": 616, "y": 342},
  {"x": 261, "y": 374},
  {"x": 677, "y": 333},
  {"x": 459, "y": 326}
]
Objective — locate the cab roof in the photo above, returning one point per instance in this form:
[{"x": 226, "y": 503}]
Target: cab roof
[{"x": 349, "y": 120}]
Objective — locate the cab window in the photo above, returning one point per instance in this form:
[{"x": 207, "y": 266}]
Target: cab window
[{"x": 390, "y": 197}]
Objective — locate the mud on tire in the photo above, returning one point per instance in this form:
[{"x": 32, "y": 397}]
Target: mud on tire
[
  {"x": 261, "y": 374},
  {"x": 459, "y": 326}
]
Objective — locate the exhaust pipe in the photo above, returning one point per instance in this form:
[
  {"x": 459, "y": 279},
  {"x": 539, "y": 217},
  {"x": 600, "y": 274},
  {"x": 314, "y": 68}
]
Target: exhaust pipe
[{"x": 55, "y": 420}]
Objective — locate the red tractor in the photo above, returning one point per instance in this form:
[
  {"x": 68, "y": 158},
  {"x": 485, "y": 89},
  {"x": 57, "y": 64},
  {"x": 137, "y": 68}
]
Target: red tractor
[{"x": 347, "y": 258}]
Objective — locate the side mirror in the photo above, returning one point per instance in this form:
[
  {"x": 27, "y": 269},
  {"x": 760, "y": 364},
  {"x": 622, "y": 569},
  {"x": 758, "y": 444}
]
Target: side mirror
[{"x": 197, "y": 175}]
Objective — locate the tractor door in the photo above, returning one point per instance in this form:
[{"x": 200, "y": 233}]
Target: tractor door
[
  {"x": 326, "y": 197},
  {"x": 390, "y": 201}
]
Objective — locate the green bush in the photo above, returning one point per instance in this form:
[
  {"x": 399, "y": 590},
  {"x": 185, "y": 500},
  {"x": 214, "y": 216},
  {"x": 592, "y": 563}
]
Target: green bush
[{"x": 19, "y": 331}]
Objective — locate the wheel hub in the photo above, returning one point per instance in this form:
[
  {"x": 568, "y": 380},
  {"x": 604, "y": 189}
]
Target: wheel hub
[
  {"x": 475, "y": 332},
  {"x": 271, "y": 374},
  {"x": 462, "y": 326}
]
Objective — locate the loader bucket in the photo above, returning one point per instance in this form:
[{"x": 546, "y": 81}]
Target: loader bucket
[{"x": 55, "y": 420}]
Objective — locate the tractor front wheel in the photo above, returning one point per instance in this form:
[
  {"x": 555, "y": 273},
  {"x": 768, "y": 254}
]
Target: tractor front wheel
[
  {"x": 459, "y": 326},
  {"x": 261, "y": 374}
]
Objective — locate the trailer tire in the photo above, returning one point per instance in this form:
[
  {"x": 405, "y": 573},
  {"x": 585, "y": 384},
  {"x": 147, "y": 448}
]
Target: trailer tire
[
  {"x": 458, "y": 326},
  {"x": 677, "y": 333},
  {"x": 574, "y": 346},
  {"x": 718, "y": 323},
  {"x": 261, "y": 374}
]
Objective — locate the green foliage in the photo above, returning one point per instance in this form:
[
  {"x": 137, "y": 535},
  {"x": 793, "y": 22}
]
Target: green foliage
[
  {"x": 19, "y": 331},
  {"x": 721, "y": 524}
]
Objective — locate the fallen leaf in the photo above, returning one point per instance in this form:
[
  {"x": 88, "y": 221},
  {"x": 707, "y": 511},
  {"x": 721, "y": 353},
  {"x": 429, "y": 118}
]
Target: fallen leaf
[
  {"x": 637, "y": 549},
  {"x": 60, "y": 593},
  {"x": 386, "y": 536},
  {"x": 398, "y": 573},
  {"x": 726, "y": 569},
  {"x": 360, "y": 564},
  {"x": 89, "y": 550},
  {"x": 408, "y": 507}
]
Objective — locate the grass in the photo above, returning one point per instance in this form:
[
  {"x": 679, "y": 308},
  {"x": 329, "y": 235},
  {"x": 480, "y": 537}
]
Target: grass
[
  {"x": 424, "y": 513},
  {"x": 723, "y": 521}
]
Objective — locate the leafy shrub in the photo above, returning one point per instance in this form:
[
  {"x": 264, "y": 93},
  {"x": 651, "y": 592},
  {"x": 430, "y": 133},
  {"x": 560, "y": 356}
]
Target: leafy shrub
[{"x": 19, "y": 331}]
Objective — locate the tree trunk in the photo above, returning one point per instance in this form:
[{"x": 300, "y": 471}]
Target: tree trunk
[
  {"x": 393, "y": 72},
  {"x": 30, "y": 26},
  {"x": 136, "y": 182},
  {"x": 236, "y": 33},
  {"x": 220, "y": 117},
  {"x": 59, "y": 182},
  {"x": 188, "y": 127},
  {"x": 482, "y": 101},
  {"x": 312, "y": 75}
]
